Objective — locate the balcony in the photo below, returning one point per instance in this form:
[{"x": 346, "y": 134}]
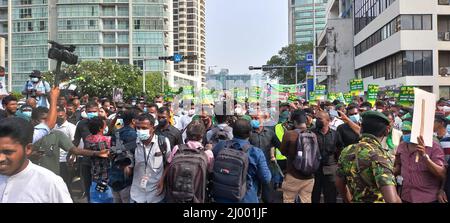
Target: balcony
[{"x": 444, "y": 27}]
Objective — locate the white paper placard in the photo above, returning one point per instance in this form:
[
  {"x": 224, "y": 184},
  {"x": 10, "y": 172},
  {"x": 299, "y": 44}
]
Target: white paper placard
[{"x": 423, "y": 118}]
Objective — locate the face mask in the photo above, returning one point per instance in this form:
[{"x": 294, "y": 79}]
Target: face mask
[
  {"x": 440, "y": 108},
  {"x": 143, "y": 134},
  {"x": 254, "y": 124},
  {"x": 60, "y": 121},
  {"x": 191, "y": 112},
  {"x": 145, "y": 110},
  {"x": 154, "y": 115},
  {"x": 91, "y": 115},
  {"x": 133, "y": 103},
  {"x": 119, "y": 122},
  {"x": 355, "y": 118},
  {"x": 162, "y": 122},
  {"x": 27, "y": 114},
  {"x": 448, "y": 129},
  {"x": 159, "y": 105},
  {"x": 105, "y": 131},
  {"x": 380, "y": 110},
  {"x": 406, "y": 138},
  {"x": 35, "y": 79},
  {"x": 238, "y": 111}
]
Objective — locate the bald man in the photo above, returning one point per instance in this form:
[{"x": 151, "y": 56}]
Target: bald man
[
  {"x": 324, "y": 179},
  {"x": 31, "y": 102}
]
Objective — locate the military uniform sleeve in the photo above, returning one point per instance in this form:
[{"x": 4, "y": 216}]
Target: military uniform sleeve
[
  {"x": 340, "y": 166},
  {"x": 382, "y": 169}
]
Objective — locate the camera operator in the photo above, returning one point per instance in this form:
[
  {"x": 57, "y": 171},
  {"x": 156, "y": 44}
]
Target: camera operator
[{"x": 37, "y": 88}]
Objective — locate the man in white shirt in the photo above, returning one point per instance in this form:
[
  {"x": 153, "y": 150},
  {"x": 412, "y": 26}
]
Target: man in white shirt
[
  {"x": 68, "y": 129},
  {"x": 149, "y": 162},
  {"x": 21, "y": 181}
]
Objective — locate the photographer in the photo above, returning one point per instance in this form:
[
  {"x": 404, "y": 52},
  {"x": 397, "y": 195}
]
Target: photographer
[{"x": 37, "y": 88}]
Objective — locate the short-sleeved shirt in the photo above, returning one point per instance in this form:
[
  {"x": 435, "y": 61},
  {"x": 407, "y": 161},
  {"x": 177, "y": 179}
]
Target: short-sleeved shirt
[
  {"x": 100, "y": 166},
  {"x": 52, "y": 144},
  {"x": 366, "y": 167},
  {"x": 419, "y": 184},
  {"x": 41, "y": 86}
]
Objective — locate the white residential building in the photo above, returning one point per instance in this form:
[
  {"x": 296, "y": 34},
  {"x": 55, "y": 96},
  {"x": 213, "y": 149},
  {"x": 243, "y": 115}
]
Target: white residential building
[{"x": 403, "y": 42}]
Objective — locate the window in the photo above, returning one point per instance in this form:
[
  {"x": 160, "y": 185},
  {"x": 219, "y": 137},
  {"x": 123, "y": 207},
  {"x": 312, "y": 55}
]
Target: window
[
  {"x": 417, "y": 22},
  {"x": 427, "y": 22},
  {"x": 418, "y": 63},
  {"x": 407, "y": 22},
  {"x": 427, "y": 63}
]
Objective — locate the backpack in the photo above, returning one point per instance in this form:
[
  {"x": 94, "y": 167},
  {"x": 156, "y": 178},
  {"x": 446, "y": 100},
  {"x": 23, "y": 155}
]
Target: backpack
[
  {"x": 230, "y": 173},
  {"x": 186, "y": 177},
  {"x": 162, "y": 146},
  {"x": 307, "y": 158},
  {"x": 219, "y": 134}
]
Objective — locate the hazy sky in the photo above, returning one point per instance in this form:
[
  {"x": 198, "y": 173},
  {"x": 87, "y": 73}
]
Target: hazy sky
[{"x": 243, "y": 33}]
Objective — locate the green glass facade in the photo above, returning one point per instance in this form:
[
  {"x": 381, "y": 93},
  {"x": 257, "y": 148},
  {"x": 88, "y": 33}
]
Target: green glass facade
[
  {"x": 125, "y": 31},
  {"x": 302, "y": 19}
]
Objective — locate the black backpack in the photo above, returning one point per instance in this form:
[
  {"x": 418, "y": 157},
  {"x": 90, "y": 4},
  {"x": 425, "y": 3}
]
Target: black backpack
[
  {"x": 186, "y": 177},
  {"x": 230, "y": 172},
  {"x": 307, "y": 158}
]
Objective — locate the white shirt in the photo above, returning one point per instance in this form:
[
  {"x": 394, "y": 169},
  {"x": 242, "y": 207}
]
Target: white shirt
[
  {"x": 153, "y": 172},
  {"x": 34, "y": 184},
  {"x": 69, "y": 130}
]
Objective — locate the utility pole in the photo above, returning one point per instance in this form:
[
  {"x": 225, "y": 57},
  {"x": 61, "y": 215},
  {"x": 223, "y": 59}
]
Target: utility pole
[{"x": 314, "y": 44}]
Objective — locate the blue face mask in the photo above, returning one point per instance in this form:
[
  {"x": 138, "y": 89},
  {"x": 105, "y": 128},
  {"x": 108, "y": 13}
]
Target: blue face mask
[
  {"x": 406, "y": 138},
  {"x": 355, "y": 118},
  {"x": 143, "y": 134},
  {"x": 448, "y": 129},
  {"x": 91, "y": 115},
  {"x": 145, "y": 110},
  {"x": 254, "y": 124},
  {"x": 27, "y": 114}
]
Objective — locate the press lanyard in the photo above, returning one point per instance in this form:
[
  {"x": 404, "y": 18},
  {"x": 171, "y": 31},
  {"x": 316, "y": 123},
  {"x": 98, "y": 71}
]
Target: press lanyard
[{"x": 147, "y": 156}]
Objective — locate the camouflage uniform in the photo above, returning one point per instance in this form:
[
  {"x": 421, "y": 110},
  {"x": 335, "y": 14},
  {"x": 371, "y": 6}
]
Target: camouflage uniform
[{"x": 372, "y": 170}]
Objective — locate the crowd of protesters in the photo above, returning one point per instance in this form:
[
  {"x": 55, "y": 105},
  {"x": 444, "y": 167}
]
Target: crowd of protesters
[{"x": 149, "y": 150}]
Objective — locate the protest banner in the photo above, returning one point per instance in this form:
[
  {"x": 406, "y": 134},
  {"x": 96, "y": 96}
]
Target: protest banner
[
  {"x": 357, "y": 87},
  {"x": 423, "y": 118},
  {"x": 372, "y": 93}
]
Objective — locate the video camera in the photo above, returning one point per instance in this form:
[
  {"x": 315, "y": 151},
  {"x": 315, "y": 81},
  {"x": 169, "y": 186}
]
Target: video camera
[
  {"x": 62, "y": 53},
  {"x": 122, "y": 153}
]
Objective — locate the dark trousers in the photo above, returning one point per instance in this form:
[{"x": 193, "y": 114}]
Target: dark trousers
[
  {"x": 86, "y": 176},
  {"x": 66, "y": 174},
  {"x": 324, "y": 184}
]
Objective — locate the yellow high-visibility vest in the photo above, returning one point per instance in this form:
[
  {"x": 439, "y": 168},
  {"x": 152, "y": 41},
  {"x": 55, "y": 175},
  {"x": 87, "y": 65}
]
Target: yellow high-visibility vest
[{"x": 279, "y": 131}]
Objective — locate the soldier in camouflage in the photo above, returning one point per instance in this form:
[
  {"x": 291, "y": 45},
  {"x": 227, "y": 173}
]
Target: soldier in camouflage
[{"x": 365, "y": 169}]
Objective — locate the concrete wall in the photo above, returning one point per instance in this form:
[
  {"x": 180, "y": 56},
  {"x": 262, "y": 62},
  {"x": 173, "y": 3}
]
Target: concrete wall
[{"x": 340, "y": 54}]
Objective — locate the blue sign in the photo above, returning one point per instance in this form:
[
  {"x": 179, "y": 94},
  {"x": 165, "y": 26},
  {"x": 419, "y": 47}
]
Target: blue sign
[
  {"x": 304, "y": 63},
  {"x": 309, "y": 57},
  {"x": 308, "y": 68},
  {"x": 177, "y": 58},
  {"x": 310, "y": 82}
]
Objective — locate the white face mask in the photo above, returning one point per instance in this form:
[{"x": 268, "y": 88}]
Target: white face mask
[
  {"x": 159, "y": 105},
  {"x": 191, "y": 112},
  {"x": 35, "y": 79}
]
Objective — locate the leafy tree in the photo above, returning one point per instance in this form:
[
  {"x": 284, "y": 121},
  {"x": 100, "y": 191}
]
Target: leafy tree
[
  {"x": 99, "y": 78},
  {"x": 289, "y": 56}
]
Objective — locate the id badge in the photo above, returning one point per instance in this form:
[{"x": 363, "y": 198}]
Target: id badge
[{"x": 144, "y": 181}]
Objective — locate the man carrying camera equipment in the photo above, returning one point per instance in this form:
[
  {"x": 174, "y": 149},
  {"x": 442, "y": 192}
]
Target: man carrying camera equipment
[
  {"x": 124, "y": 144},
  {"x": 37, "y": 88}
]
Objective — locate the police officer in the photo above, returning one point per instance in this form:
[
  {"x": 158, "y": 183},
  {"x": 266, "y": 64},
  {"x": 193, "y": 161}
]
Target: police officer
[{"x": 365, "y": 169}]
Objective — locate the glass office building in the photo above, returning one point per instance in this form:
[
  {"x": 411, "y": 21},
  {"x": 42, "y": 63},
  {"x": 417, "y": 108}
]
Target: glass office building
[
  {"x": 129, "y": 32},
  {"x": 301, "y": 20}
]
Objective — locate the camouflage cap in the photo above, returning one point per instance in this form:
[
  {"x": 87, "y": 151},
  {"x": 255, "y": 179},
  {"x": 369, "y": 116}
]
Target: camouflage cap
[{"x": 375, "y": 114}]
